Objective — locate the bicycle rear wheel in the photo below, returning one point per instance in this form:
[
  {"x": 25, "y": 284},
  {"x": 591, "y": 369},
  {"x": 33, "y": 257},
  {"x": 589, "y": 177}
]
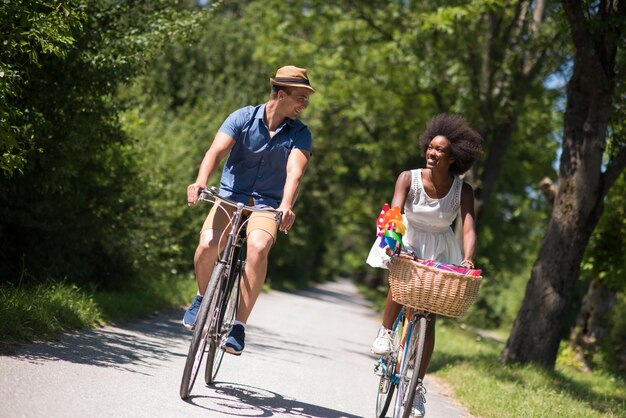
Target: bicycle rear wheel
[
  {"x": 228, "y": 309},
  {"x": 409, "y": 374},
  {"x": 387, "y": 383},
  {"x": 200, "y": 335}
]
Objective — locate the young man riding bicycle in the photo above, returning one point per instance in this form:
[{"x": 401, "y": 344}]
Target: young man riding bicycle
[{"x": 268, "y": 150}]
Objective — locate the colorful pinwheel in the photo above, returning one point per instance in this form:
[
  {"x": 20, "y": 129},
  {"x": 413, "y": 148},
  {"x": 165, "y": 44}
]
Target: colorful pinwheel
[{"x": 390, "y": 227}]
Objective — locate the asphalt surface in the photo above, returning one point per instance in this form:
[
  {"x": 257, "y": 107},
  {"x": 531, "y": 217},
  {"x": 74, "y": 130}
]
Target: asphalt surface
[{"x": 307, "y": 355}]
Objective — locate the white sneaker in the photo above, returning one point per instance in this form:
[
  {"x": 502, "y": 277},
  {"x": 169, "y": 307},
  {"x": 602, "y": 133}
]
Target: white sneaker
[
  {"x": 419, "y": 409},
  {"x": 383, "y": 343}
]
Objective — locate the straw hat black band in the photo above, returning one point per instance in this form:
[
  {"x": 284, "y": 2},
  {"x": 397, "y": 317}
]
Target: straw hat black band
[{"x": 291, "y": 75}]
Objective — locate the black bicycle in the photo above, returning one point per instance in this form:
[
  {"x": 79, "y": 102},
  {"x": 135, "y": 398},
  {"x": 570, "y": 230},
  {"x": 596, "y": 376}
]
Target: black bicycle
[{"x": 221, "y": 298}]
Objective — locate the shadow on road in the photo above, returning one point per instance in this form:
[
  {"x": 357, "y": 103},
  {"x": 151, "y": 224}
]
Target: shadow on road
[
  {"x": 266, "y": 342},
  {"x": 144, "y": 342},
  {"x": 247, "y": 401},
  {"x": 333, "y": 292}
]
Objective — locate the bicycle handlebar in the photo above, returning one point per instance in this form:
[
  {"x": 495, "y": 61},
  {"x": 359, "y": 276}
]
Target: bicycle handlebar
[{"x": 213, "y": 192}]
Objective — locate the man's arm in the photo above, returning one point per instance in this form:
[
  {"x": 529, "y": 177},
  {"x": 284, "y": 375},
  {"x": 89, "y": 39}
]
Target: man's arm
[
  {"x": 296, "y": 166},
  {"x": 219, "y": 149}
]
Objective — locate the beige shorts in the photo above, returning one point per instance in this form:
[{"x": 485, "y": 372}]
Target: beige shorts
[{"x": 220, "y": 216}]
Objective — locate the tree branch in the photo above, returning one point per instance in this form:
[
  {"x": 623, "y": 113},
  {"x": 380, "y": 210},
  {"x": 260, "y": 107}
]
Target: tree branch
[
  {"x": 614, "y": 169},
  {"x": 581, "y": 36},
  {"x": 367, "y": 19}
]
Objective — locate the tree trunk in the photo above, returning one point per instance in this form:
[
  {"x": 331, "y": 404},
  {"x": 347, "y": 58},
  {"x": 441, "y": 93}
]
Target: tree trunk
[
  {"x": 500, "y": 141},
  {"x": 540, "y": 324}
]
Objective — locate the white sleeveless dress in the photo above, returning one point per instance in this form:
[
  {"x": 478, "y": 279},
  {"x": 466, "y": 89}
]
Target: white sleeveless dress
[{"x": 428, "y": 221}]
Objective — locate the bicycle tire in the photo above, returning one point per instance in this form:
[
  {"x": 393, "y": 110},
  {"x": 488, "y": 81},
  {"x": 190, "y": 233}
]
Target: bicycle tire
[
  {"x": 200, "y": 335},
  {"x": 405, "y": 369},
  {"x": 386, "y": 386},
  {"x": 404, "y": 403},
  {"x": 226, "y": 315},
  {"x": 385, "y": 394}
]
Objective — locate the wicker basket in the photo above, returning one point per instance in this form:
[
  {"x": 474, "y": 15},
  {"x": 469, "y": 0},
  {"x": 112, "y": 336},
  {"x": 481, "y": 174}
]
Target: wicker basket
[{"x": 431, "y": 289}]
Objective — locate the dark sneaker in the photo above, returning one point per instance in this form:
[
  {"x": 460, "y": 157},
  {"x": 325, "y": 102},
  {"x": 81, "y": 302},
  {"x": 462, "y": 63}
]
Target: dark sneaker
[
  {"x": 234, "y": 341},
  {"x": 189, "y": 320}
]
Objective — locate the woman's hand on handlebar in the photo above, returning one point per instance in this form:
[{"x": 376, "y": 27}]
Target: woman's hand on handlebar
[
  {"x": 193, "y": 191},
  {"x": 287, "y": 219},
  {"x": 396, "y": 251}
]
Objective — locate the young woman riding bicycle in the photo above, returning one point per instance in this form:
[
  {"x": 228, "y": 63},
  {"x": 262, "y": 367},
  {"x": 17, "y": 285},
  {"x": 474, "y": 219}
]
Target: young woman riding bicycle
[{"x": 431, "y": 199}]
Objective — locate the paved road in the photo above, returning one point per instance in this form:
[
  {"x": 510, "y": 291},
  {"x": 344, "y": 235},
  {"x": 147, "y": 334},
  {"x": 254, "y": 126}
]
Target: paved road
[{"x": 306, "y": 356}]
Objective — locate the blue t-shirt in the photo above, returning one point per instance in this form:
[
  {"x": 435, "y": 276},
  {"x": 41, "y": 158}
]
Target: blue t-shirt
[{"x": 257, "y": 165}]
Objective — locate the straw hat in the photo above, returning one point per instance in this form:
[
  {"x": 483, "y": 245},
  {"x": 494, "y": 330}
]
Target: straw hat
[{"x": 290, "y": 76}]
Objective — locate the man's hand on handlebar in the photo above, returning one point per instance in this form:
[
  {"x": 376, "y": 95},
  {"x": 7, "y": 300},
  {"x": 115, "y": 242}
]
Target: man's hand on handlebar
[
  {"x": 193, "y": 191},
  {"x": 287, "y": 219}
]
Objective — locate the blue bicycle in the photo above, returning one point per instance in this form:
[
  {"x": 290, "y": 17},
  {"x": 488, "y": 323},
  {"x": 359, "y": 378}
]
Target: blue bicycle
[
  {"x": 424, "y": 289},
  {"x": 399, "y": 369}
]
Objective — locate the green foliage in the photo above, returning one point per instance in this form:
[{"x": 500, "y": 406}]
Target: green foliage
[
  {"x": 605, "y": 258},
  {"x": 606, "y": 253},
  {"x": 383, "y": 70},
  {"x": 613, "y": 349},
  {"x": 32, "y": 30},
  {"x": 74, "y": 210},
  {"x": 178, "y": 105},
  {"x": 378, "y": 72}
]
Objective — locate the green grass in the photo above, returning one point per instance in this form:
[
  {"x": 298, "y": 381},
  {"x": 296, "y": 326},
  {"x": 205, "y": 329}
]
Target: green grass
[
  {"x": 28, "y": 314},
  {"x": 490, "y": 389},
  {"x": 45, "y": 311}
]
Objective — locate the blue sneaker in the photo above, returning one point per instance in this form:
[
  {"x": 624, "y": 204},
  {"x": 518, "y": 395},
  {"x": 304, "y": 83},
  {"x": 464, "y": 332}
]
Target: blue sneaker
[
  {"x": 234, "y": 341},
  {"x": 189, "y": 320}
]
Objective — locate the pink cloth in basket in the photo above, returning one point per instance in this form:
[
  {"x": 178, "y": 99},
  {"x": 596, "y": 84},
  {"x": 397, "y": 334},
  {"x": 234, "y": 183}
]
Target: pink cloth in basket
[{"x": 450, "y": 267}]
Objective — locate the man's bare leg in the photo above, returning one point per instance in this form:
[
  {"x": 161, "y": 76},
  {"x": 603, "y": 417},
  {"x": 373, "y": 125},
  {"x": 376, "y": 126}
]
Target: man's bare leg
[
  {"x": 259, "y": 246},
  {"x": 205, "y": 257},
  {"x": 204, "y": 261}
]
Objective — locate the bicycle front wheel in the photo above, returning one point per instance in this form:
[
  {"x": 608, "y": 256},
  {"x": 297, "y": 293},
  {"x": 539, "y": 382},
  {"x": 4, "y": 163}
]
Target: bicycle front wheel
[
  {"x": 409, "y": 374},
  {"x": 387, "y": 383},
  {"x": 385, "y": 394},
  {"x": 200, "y": 335},
  {"x": 224, "y": 319}
]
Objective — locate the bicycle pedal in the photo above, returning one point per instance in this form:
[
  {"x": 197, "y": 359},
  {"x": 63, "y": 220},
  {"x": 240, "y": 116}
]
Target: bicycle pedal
[{"x": 378, "y": 371}]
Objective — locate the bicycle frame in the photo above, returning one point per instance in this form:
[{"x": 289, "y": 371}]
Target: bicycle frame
[
  {"x": 411, "y": 361},
  {"x": 234, "y": 240}
]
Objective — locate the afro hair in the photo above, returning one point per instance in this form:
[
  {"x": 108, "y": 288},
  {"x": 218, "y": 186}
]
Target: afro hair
[{"x": 466, "y": 145}]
